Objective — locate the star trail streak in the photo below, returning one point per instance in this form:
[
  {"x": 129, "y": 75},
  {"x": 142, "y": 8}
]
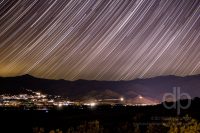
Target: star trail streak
[{"x": 99, "y": 39}]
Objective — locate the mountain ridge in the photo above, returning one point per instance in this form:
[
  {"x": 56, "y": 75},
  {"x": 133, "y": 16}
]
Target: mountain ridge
[
  {"x": 154, "y": 87},
  {"x": 154, "y": 77}
]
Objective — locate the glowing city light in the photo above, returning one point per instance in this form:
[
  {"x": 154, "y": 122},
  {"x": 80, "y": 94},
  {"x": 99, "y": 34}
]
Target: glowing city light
[
  {"x": 140, "y": 97},
  {"x": 38, "y": 93},
  {"x": 60, "y": 105},
  {"x": 92, "y": 104},
  {"x": 121, "y": 99}
]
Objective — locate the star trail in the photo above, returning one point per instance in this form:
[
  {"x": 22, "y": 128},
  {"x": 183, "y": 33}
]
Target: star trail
[{"x": 99, "y": 39}]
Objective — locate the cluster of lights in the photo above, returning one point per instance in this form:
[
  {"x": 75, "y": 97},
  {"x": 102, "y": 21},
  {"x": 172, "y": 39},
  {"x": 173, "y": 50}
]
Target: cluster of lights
[
  {"x": 45, "y": 101},
  {"x": 92, "y": 104},
  {"x": 35, "y": 99}
]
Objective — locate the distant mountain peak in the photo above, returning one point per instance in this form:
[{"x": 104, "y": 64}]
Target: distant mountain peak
[
  {"x": 27, "y": 76},
  {"x": 143, "y": 100}
]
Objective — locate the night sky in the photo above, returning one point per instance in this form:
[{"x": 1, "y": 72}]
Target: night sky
[{"x": 99, "y": 39}]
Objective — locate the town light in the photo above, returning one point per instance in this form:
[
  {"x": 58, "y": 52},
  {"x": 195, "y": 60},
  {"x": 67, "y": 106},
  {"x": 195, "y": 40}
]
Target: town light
[
  {"x": 92, "y": 104},
  {"x": 121, "y": 99},
  {"x": 140, "y": 97}
]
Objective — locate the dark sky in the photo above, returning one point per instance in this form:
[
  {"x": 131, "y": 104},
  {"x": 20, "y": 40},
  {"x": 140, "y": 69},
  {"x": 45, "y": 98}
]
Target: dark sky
[{"x": 99, "y": 39}]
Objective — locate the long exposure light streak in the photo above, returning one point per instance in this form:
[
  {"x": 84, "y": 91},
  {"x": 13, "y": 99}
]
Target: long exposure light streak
[{"x": 99, "y": 39}]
